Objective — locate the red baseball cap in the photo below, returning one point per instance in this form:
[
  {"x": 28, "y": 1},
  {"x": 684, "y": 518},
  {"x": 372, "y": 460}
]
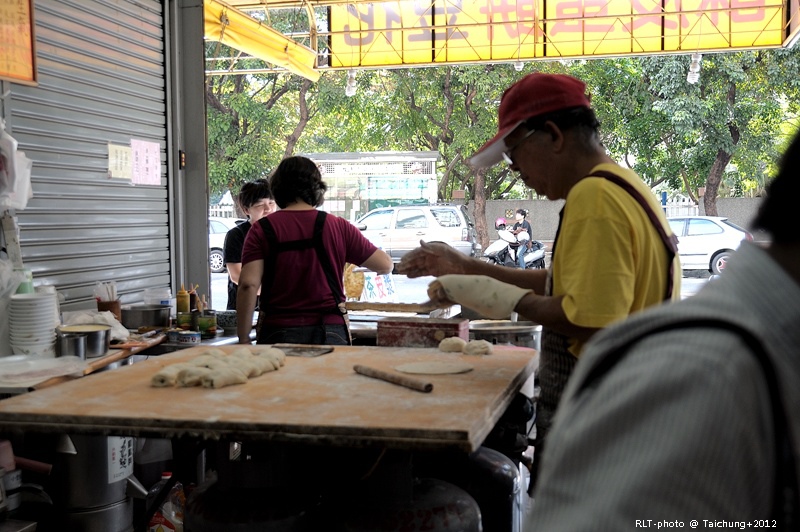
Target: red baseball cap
[{"x": 534, "y": 95}]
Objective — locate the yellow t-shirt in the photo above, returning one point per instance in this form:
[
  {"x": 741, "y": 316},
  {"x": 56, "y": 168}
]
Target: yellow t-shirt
[{"x": 610, "y": 259}]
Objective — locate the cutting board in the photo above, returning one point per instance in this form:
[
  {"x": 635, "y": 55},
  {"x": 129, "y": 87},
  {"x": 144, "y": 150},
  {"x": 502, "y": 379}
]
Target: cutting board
[
  {"x": 319, "y": 400},
  {"x": 418, "y": 308}
]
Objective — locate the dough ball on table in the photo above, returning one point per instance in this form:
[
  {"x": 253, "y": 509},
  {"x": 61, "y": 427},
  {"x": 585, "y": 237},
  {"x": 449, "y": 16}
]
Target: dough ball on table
[
  {"x": 168, "y": 375},
  {"x": 453, "y": 344},
  {"x": 266, "y": 364},
  {"x": 209, "y": 361},
  {"x": 478, "y": 347},
  {"x": 223, "y": 377},
  {"x": 248, "y": 366},
  {"x": 192, "y": 376},
  {"x": 273, "y": 352},
  {"x": 241, "y": 352},
  {"x": 214, "y": 352}
]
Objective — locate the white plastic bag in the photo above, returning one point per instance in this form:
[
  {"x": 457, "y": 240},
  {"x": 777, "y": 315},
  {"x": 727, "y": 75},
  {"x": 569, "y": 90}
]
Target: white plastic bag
[{"x": 82, "y": 317}]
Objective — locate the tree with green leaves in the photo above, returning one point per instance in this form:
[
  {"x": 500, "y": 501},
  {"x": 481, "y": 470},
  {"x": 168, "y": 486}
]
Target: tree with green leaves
[{"x": 724, "y": 131}]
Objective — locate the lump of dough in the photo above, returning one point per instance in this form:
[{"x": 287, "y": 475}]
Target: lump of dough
[
  {"x": 248, "y": 366},
  {"x": 168, "y": 375},
  {"x": 453, "y": 344},
  {"x": 266, "y": 364},
  {"x": 192, "y": 376},
  {"x": 274, "y": 352},
  {"x": 214, "y": 352},
  {"x": 478, "y": 347},
  {"x": 210, "y": 362},
  {"x": 223, "y": 377},
  {"x": 241, "y": 352},
  {"x": 271, "y": 360}
]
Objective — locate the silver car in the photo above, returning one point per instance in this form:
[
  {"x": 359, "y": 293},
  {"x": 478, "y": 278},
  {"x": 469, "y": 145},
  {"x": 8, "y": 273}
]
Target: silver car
[
  {"x": 217, "y": 229},
  {"x": 706, "y": 242},
  {"x": 398, "y": 230}
]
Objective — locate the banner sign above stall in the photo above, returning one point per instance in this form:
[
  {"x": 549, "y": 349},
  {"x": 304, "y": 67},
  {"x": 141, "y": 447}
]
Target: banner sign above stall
[{"x": 469, "y": 31}]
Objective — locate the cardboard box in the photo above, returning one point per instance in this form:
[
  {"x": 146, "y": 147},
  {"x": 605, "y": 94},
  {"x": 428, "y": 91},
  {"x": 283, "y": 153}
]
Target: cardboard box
[{"x": 420, "y": 332}]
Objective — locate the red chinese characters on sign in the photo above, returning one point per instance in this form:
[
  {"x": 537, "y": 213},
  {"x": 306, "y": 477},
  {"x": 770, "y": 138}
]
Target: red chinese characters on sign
[
  {"x": 412, "y": 32},
  {"x": 420, "y": 22},
  {"x": 580, "y": 16},
  {"x": 516, "y": 19}
]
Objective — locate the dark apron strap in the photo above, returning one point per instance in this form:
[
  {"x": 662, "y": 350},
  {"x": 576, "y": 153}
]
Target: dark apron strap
[
  {"x": 316, "y": 243},
  {"x": 670, "y": 241}
]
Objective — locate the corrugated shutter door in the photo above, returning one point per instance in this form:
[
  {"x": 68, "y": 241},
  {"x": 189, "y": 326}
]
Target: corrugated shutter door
[{"x": 101, "y": 79}]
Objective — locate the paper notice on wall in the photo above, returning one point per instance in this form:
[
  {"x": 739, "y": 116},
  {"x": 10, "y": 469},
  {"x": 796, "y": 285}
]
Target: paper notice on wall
[
  {"x": 146, "y": 162},
  {"x": 120, "y": 161}
]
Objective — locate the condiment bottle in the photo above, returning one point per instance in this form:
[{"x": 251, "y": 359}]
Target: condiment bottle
[
  {"x": 192, "y": 299},
  {"x": 183, "y": 300}
]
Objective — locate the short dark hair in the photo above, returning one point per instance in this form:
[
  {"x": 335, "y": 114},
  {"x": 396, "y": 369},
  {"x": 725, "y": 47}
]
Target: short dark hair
[
  {"x": 297, "y": 178},
  {"x": 566, "y": 119},
  {"x": 523, "y": 212},
  {"x": 776, "y": 215},
  {"x": 253, "y": 192}
]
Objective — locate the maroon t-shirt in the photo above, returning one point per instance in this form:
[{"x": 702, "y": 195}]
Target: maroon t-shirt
[{"x": 300, "y": 283}]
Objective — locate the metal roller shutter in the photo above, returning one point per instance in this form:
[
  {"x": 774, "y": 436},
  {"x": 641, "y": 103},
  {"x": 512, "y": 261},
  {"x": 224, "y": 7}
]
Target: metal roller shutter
[{"x": 102, "y": 79}]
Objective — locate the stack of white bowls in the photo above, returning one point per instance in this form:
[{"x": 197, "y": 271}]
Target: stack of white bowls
[{"x": 32, "y": 323}]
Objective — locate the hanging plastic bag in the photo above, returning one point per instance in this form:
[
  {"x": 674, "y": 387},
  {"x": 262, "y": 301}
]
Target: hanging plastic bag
[{"x": 15, "y": 173}]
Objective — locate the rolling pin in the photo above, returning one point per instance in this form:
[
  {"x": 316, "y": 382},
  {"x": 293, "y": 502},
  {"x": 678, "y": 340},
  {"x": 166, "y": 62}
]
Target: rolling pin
[{"x": 402, "y": 380}]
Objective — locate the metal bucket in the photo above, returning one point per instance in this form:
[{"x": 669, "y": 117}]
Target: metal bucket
[
  {"x": 98, "y": 337},
  {"x": 519, "y": 333},
  {"x": 135, "y": 316}
]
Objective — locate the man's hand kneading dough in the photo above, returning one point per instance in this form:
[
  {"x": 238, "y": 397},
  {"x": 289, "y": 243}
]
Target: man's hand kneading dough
[{"x": 487, "y": 296}]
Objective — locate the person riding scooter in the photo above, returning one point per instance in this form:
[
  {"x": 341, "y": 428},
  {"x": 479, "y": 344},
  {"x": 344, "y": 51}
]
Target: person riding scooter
[{"x": 522, "y": 230}]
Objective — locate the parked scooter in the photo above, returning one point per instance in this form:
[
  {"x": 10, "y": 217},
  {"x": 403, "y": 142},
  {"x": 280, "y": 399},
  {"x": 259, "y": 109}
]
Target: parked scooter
[{"x": 503, "y": 251}]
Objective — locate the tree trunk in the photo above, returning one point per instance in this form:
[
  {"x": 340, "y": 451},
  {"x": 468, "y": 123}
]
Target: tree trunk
[
  {"x": 720, "y": 162},
  {"x": 302, "y": 122},
  {"x": 713, "y": 180},
  {"x": 480, "y": 208}
]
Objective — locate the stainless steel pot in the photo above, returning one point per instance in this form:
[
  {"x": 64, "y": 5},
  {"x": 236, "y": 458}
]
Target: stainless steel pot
[
  {"x": 135, "y": 316},
  {"x": 519, "y": 333},
  {"x": 91, "y": 471},
  {"x": 98, "y": 337},
  {"x": 71, "y": 345}
]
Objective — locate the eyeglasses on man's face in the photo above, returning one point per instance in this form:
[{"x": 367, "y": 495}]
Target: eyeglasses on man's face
[{"x": 508, "y": 155}]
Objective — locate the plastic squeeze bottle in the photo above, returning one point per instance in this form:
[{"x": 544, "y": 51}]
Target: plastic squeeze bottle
[{"x": 183, "y": 300}]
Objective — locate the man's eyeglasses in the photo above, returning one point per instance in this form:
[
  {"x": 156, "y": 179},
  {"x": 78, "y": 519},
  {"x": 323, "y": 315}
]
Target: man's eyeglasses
[{"x": 508, "y": 154}]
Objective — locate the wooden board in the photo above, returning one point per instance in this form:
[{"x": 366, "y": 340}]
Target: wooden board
[
  {"x": 417, "y": 308},
  {"x": 319, "y": 400}
]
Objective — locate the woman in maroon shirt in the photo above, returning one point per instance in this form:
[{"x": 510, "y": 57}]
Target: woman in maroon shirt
[{"x": 297, "y": 256}]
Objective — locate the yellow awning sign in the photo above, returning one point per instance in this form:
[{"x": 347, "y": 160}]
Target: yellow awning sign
[
  {"x": 452, "y": 31},
  {"x": 233, "y": 28}
]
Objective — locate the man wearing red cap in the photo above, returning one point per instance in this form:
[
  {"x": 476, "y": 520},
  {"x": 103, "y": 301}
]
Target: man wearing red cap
[{"x": 613, "y": 255}]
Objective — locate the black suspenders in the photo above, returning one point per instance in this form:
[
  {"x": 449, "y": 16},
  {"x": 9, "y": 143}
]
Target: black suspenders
[{"x": 270, "y": 265}]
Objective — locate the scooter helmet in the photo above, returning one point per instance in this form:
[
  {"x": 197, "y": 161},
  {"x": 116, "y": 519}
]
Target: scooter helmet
[{"x": 500, "y": 223}]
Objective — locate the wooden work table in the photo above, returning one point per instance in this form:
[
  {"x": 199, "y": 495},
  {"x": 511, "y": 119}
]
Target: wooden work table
[{"x": 318, "y": 400}]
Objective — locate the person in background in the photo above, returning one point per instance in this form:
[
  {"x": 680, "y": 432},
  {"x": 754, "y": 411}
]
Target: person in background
[
  {"x": 672, "y": 415},
  {"x": 613, "y": 254},
  {"x": 297, "y": 256},
  {"x": 522, "y": 225},
  {"x": 256, "y": 201}
]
